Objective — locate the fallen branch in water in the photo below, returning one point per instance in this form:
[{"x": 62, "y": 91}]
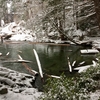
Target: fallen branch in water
[
  {"x": 73, "y": 64},
  {"x": 89, "y": 51},
  {"x": 38, "y": 62},
  {"x": 84, "y": 68},
  {"x": 18, "y": 61},
  {"x": 7, "y": 53},
  {"x": 69, "y": 65},
  {"x": 53, "y": 76},
  {"x": 33, "y": 72}
]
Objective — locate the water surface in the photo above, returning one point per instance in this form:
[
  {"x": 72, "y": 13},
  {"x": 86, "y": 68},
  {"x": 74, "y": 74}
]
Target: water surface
[{"x": 53, "y": 58}]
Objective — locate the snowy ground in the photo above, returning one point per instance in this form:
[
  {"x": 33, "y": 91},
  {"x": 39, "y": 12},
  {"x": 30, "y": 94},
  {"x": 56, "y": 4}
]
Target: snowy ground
[
  {"x": 17, "y": 86},
  {"x": 17, "y": 32},
  {"x": 95, "y": 95},
  {"x": 28, "y": 94}
]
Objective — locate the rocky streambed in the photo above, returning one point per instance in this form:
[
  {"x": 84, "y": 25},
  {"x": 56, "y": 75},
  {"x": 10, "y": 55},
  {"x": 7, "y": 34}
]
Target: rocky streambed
[{"x": 17, "y": 86}]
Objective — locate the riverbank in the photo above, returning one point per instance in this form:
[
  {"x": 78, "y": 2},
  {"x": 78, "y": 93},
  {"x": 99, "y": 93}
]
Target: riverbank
[{"x": 17, "y": 86}]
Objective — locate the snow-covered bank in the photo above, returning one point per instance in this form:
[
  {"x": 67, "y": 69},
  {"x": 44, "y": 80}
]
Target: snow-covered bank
[
  {"x": 17, "y": 32},
  {"x": 21, "y": 89},
  {"x": 28, "y": 94}
]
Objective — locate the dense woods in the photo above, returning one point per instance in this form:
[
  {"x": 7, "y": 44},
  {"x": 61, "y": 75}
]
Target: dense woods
[
  {"x": 97, "y": 9},
  {"x": 54, "y": 19}
]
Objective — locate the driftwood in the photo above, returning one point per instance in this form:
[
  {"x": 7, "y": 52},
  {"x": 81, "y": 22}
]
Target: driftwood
[
  {"x": 38, "y": 62},
  {"x": 69, "y": 65},
  {"x": 84, "y": 68},
  {"x": 7, "y": 81},
  {"x": 53, "y": 76},
  {"x": 33, "y": 72},
  {"x": 7, "y": 53},
  {"x": 81, "y": 63},
  {"x": 73, "y": 64},
  {"x": 89, "y": 51},
  {"x": 18, "y": 61},
  {"x": 27, "y": 67},
  {"x": 0, "y": 54}
]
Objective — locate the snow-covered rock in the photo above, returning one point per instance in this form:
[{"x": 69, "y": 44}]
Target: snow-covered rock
[{"x": 8, "y": 29}]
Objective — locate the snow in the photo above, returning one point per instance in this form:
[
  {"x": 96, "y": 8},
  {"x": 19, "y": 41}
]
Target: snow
[
  {"x": 21, "y": 37},
  {"x": 18, "y": 32},
  {"x": 19, "y": 92},
  {"x": 8, "y": 29},
  {"x": 95, "y": 95},
  {"x": 28, "y": 94}
]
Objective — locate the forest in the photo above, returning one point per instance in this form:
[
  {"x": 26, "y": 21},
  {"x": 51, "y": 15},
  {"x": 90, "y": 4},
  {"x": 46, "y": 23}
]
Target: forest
[{"x": 56, "y": 20}]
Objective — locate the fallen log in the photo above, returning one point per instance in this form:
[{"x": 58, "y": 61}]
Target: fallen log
[
  {"x": 69, "y": 65},
  {"x": 18, "y": 61},
  {"x": 39, "y": 64},
  {"x": 81, "y": 63},
  {"x": 73, "y": 64},
  {"x": 84, "y": 68},
  {"x": 89, "y": 51},
  {"x": 33, "y": 72},
  {"x": 0, "y": 54},
  {"x": 52, "y": 76},
  {"x": 7, "y": 53}
]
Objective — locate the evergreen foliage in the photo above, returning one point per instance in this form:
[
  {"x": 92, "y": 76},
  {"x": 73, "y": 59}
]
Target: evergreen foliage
[{"x": 73, "y": 88}]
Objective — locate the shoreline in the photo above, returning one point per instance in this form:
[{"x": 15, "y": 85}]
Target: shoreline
[{"x": 17, "y": 86}]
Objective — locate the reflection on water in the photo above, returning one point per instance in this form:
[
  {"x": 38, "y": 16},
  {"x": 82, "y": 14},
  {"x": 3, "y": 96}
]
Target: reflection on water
[{"x": 53, "y": 58}]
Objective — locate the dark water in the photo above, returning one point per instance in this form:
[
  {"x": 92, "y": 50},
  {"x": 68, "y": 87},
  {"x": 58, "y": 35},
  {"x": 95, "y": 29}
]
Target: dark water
[{"x": 53, "y": 58}]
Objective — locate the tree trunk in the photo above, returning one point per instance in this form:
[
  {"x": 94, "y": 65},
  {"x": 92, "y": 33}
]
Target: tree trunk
[
  {"x": 97, "y": 9},
  {"x": 61, "y": 31}
]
